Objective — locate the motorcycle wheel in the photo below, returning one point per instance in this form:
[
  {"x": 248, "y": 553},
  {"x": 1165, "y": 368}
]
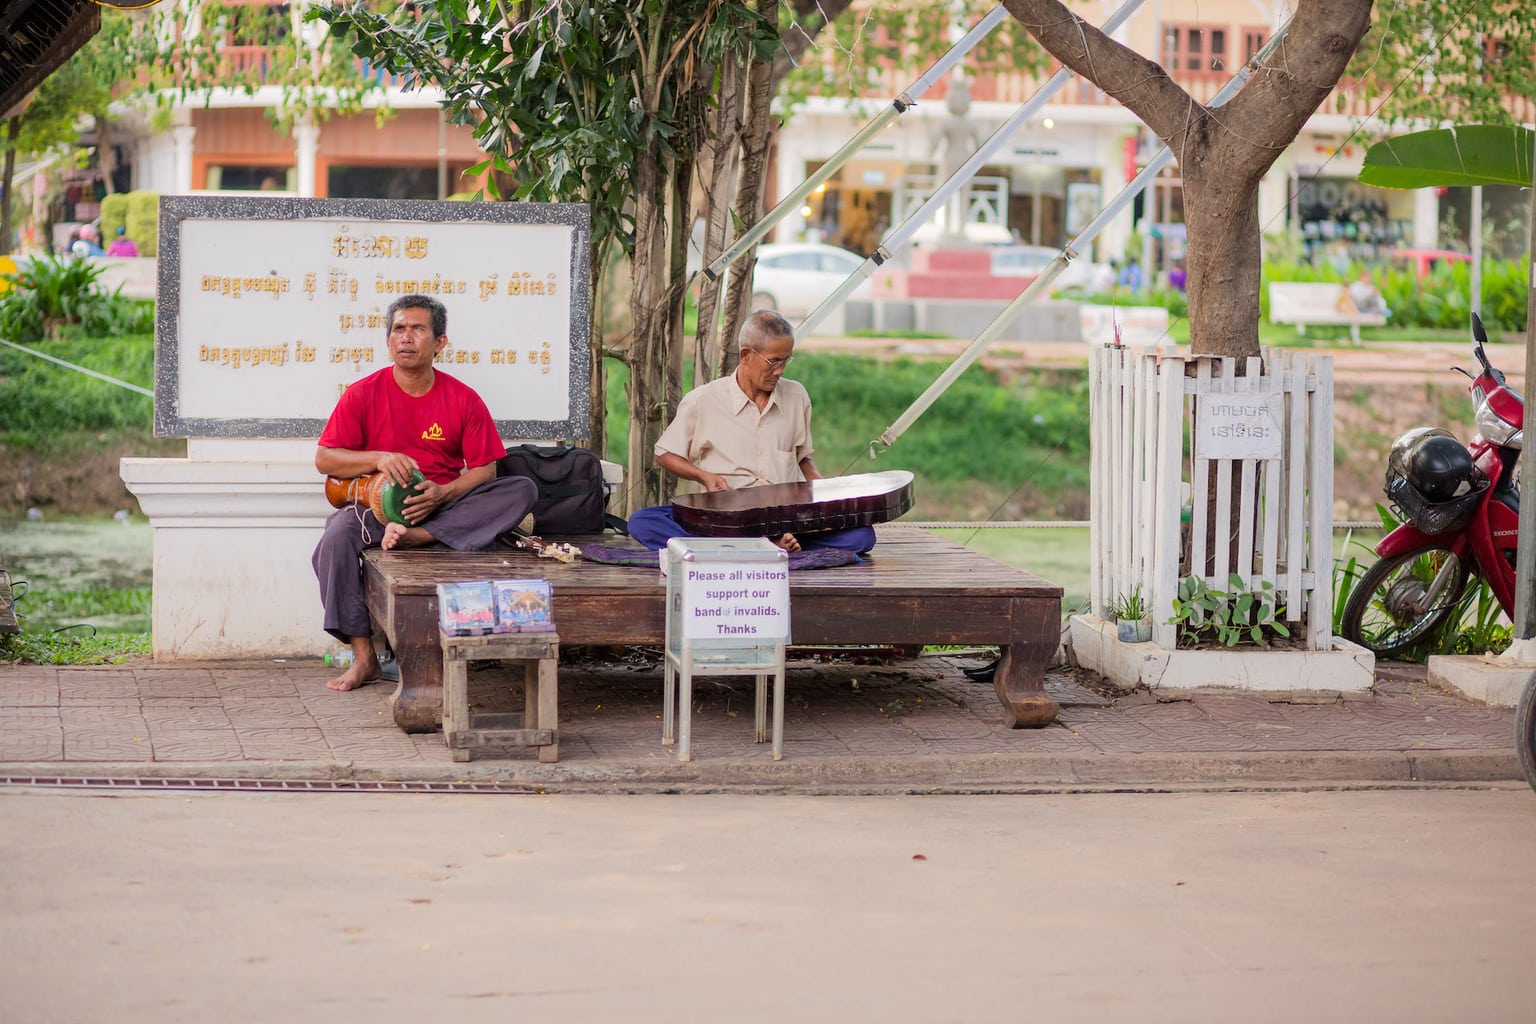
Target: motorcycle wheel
[
  {"x": 1382, "y": 612},
  {"x": 1525, "y": 731}
]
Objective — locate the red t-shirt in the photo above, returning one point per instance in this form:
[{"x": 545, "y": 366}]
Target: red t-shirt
[{"x": 446, "y": 430}]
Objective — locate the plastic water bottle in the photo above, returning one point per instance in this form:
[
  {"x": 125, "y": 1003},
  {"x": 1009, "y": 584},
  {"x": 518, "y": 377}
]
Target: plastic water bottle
[{"x": 340, "y": 658}]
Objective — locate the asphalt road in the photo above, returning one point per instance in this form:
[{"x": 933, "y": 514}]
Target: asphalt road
[{"x": 1408, "y": 905}]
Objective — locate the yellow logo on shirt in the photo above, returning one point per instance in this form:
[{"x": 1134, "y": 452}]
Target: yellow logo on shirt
[{"x": 433, "y": 433}]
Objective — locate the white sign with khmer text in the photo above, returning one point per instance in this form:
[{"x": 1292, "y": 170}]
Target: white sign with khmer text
[{"x": 1236, "y": 426}]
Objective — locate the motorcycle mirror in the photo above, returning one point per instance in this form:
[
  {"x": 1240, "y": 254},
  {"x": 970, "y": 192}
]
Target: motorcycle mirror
[{"x": 1480, "y": 336}]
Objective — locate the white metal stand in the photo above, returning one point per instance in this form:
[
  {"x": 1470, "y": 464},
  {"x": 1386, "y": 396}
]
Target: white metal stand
[{"x": 733, "y": 655}]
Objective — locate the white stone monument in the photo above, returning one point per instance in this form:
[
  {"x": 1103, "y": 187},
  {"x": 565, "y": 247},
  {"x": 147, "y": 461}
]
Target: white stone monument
[{"x": 267, "y": 308}]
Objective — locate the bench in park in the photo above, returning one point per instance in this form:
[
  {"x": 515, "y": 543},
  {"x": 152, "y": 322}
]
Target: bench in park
[
  {"x": 1320, "y": 303},
  {"x": 914, "y": 588}
]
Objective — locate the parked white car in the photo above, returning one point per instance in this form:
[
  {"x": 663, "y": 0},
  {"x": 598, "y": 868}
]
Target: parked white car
[
  {"x": 1031, "y": 261},
  {"x": 794, "y": 277}
]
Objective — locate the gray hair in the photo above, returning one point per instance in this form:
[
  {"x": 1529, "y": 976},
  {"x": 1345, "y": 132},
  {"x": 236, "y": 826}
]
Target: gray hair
[{"x": 762, "y": 327}]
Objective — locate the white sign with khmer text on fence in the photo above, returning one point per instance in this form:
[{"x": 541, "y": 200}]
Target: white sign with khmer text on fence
[{"x": 1238, "y": 426}]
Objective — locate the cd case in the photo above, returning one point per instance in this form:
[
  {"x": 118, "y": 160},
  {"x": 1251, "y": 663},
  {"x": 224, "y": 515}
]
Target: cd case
[
  {"x": 523, "y": 606},
  {"x": 502, "y": 606},
  {"x": 466, "y": 609}
]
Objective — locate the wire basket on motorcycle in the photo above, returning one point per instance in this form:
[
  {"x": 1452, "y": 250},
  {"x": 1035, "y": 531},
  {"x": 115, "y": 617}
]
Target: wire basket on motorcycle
[{"x": 1412, "y": 506}]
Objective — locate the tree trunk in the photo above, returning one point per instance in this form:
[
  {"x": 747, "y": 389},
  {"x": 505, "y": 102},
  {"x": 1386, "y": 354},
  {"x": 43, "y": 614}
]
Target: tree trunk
[
  {"x": 756, "y": 138},
  {"x": 722, "y": 148},
  {"x": 1223, "y": 154},
  {"x": 597, "y": 420},
  {"x": 13, "y": 128},
  {"x": 677, "y": 277},
  {"x": 1224, "y": 264},
  {"x": 106, "y": 156},
  {"x": 647, "y": 346}
]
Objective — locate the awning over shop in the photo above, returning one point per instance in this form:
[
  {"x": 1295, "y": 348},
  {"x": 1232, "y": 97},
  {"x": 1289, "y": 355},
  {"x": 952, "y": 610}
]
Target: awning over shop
[{"x": 36, "y": 36}]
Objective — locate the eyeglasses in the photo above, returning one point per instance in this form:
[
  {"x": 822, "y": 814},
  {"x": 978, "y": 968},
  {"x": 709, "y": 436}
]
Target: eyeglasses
[{"x": 773, "y": 364}]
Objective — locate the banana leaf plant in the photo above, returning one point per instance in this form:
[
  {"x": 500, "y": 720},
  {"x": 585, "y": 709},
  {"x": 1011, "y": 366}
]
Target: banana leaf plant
[{"x": 1468, "y": 154}]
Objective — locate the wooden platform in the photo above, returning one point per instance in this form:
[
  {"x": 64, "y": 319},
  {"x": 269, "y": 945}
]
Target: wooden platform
[{"x": 915, "y": 588}]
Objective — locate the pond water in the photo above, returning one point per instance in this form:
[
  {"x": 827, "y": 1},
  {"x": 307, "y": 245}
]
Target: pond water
[{"x": 95, "y": 572}]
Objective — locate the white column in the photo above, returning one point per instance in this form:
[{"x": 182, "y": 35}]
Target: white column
[
  {"x": 1426, "y": 219},
  {"x": 791, "y": 172},
  {"x": 306, "y": 137},
  {"x": 1274, "y": 196},
  {"x": 183, "y": 135}
]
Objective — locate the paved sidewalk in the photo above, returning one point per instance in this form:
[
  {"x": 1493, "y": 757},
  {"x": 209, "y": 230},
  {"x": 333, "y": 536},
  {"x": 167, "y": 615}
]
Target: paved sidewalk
[{"x": 917, "y": 724}]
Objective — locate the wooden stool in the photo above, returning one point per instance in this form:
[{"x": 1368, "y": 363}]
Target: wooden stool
[{"x": 537, "y": 726}]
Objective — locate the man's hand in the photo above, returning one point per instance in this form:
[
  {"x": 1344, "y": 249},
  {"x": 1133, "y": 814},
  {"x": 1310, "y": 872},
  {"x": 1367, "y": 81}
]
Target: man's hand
[
  {"x": 713, "y": 482},
  {"x": 397, "y": 466},
  {"x": 420, "y": 506}
]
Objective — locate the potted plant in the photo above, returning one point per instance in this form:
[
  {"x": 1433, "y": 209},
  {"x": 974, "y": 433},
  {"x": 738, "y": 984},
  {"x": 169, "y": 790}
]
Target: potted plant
[{"x": 1133, "y": 618}]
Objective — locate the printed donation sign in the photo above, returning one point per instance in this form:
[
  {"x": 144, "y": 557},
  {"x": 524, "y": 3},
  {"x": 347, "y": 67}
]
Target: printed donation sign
[
  {"x": 722, "y": 601},
  {"x": 1238, "y": 426}
]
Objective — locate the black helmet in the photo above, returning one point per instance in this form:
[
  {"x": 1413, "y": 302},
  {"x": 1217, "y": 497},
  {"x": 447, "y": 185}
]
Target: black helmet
[{"x": 1438, "y": 465}]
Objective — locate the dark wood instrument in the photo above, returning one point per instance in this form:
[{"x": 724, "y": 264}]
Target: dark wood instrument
[{"x": 833, "y": 503}]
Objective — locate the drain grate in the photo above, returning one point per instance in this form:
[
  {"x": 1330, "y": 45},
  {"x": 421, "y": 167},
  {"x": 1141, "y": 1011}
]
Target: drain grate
[{"x": 267, "y": 785}]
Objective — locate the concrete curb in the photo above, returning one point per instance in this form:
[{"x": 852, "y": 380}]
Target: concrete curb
[{"x": 1020, "y": 773}]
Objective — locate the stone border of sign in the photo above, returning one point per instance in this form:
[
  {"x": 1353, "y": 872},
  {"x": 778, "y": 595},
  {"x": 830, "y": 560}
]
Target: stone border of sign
[{"x": 174, "y": 209}]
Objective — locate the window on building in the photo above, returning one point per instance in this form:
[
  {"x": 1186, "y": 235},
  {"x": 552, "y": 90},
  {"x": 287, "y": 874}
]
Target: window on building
[
  {"x": 1197, "y": 49},
  {"x": 370, "y": 182},
  {"x": 1253, "y": 41},
  {"x": 249, "y": 178}
]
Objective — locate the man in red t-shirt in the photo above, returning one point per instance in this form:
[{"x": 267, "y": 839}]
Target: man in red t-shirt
[{"x": 407, "y": 417}]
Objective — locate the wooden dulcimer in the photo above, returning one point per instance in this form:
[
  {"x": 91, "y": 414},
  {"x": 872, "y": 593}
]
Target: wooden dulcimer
[{"x": 832, "y": 503}]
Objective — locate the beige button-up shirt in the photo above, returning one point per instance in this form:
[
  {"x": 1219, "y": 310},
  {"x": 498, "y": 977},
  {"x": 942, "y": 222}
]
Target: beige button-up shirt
[{"x": 720, "y": 430}]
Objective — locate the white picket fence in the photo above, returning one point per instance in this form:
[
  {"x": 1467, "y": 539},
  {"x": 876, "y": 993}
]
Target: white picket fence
[{"x": 1153, "y": 467}]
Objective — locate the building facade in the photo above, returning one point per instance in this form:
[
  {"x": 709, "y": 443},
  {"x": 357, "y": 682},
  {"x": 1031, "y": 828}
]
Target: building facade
[
  {"x": 1056, "y": 171},
  {"x": 1042, "y": 186}
]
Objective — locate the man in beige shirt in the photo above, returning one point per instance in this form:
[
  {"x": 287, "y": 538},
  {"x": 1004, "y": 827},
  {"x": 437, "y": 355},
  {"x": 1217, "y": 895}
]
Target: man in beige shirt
[{"x": 747, "y": 429}]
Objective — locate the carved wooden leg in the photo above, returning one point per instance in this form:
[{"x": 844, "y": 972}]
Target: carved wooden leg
[
  {"x": 418, "y": 699},
  {"x": 1020, "y": 677}
]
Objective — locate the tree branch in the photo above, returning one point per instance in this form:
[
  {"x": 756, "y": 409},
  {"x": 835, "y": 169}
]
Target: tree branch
[{"x": 1140, "y": 85}]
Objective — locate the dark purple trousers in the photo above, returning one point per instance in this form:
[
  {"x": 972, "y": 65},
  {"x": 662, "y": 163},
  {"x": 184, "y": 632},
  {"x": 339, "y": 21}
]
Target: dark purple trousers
[{"x": 472, "y": 522}]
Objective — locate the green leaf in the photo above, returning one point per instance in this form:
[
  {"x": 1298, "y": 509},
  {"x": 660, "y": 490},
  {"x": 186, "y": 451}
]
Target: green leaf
[{"x": 1469, "y": 154}]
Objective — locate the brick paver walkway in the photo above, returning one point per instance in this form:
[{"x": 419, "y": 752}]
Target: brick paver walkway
[{"x": 918, "y": 722}]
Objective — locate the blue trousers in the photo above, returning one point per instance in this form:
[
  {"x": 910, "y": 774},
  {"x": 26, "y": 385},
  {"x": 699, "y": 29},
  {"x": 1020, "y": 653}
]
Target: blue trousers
[{"x": 654, "y": 526}]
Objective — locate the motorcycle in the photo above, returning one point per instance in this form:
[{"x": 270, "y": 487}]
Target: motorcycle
[{"x": 1460, "y": 511}]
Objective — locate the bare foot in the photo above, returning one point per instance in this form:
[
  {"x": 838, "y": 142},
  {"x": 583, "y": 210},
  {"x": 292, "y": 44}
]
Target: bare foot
[
  {"x": 360, "y": 674},
  {"x": 398, "y": 535},
  {"x": 788, "y": 543}
]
